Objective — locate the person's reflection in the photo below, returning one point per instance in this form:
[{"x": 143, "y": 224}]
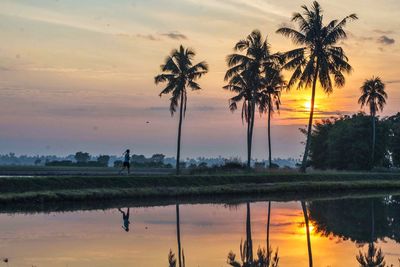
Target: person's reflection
[{"x": 125, "y": 219}]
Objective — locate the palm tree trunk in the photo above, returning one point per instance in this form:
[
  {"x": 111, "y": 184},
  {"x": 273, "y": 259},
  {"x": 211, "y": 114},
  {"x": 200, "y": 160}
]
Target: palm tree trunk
[
  {"x": 248, "y": 139},
  {"x": 178, "y": 152},
  {"x": 268, "y": 224},
  {"x": 372, "y": 221},
  {"x": 249, "y": 241},
  {"x": 310, "y": 122},
  {"x": 269, "y": 136},
  {"x": 310, "y": 260},
  {"x": 373, "y": 140},
  {"x": 178, "y": 235},
  {"x": 251, "y": 134}
]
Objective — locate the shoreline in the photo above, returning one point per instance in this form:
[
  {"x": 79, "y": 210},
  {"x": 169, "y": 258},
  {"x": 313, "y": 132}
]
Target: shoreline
[{"x": 53, "y": 190}]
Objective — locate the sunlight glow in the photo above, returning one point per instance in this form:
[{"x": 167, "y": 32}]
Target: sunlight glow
[{"x": 307, "y": 105}]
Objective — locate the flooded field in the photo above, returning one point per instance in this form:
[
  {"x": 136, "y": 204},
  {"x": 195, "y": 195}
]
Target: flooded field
[{"x": 339, "y": 230}]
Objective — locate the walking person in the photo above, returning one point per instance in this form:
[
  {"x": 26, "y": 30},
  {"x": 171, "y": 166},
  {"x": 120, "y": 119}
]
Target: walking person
[{"x": 126, "y": 163}]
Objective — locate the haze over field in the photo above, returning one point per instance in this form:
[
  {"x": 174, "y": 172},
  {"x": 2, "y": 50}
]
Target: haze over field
[{"x": 79, "y": 75}]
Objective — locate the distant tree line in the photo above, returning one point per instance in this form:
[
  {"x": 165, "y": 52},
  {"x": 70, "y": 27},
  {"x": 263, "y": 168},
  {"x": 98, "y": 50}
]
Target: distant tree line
[
  {"x": 82, "y": 159},
  {"x": 140, "y": 161},
  {"x": 345, "y": 143}
]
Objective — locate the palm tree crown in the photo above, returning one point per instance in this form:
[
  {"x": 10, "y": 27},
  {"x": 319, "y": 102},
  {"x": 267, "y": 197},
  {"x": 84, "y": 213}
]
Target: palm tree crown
[
  {"x": 245, "y": 73},
  {"x": 373, "y": 258},
  {"x": 318, "y": 58},
  {"x": 270, "y": 94},
  {"x": 373, "y": 94},
  {"x": 179, "y": 73},
  {"x": 245, "y": 76}
]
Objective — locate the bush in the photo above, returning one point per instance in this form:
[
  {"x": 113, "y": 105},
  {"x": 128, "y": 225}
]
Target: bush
[{"x": 345, "y": 143}]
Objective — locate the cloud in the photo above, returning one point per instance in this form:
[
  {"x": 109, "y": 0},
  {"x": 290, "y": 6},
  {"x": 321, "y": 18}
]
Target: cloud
[
  {"x": 385, "y": 40},
  {"x": 150, "y": 37},
  {"x": 393, "y": 81},
  {"x": 199, "y": 108},
  {"x": 383, "y": 32},
  {"x": 175, "y": 35},
  {"x": 4, "y": 69}
]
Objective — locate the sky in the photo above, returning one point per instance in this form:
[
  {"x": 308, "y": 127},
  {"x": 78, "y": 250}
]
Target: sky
[{"x": 79, "y": 75}]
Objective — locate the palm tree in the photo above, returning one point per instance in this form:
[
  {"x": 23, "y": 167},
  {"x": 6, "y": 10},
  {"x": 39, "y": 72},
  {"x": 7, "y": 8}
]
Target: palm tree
[
  {"x": 318, "y": 59},
  {"x": 373, "y": 258},
  {"x": 305, "y": 213},
  {"x": 180, "y": 73},
  {"x": 270, "y": 97},
  {"x": 373, "y": 94},
  {"x": 245, "y": 75}
]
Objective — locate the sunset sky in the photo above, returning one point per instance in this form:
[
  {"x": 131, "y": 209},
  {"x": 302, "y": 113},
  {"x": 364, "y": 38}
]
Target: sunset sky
[{"x": 79, "y": 75}]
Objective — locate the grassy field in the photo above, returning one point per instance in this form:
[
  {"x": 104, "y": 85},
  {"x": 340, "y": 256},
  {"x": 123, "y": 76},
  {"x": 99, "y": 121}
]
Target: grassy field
[{"x": 108, "y": 188}]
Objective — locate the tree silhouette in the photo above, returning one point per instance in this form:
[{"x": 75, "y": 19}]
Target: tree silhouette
[
  {"x": 373, "y": 258},
  {"x": 306, "y": 221},
  {"x": 373, "y": 94},
  {"x": 264, "y": 257},
  {"x": 318, "y": 59},
  {"x": 245, "y": 78},
  {"x": 82, "y": 157},
  {"x": 181, "y": 255},
  {"x": 180, "y": 73}
]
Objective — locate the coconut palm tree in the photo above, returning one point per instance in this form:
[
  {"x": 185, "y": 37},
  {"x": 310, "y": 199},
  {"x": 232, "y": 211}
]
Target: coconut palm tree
[
  {"x": 270, "y": 98},
  {"x": 180, "y": 74},
  {"x": 373, "y": 94},
  {"x": 373, "y": 258},
  {"x": 245, "y": 75},
  {"x": 319, "y": 57},
  {"x": 306, "y": 221}
]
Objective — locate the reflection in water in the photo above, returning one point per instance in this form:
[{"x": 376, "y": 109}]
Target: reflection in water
[
  {"x": 172, "y": 259},
  {"x": 336, "y": 230},
  {"x": 181, "y": 254},
  {"x": 373, "y": 258},
  {"x": 360, "y": 220},
  {"x": 305, "y": 213},
  {"x": 125, "y": 219},
  {"x": 264, "y": 257}
]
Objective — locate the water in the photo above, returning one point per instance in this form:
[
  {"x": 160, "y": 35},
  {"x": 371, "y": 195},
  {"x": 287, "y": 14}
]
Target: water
[{"x": 339, "y": 230}]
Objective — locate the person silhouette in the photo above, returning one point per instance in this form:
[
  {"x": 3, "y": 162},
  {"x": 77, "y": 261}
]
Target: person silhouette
[
  {"x": 126, "y": 163},
  {"x": 125, "y": 219}
]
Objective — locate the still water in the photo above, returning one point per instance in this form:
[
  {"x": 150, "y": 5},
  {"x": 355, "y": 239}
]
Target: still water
[{"x": 338, "y": 229}]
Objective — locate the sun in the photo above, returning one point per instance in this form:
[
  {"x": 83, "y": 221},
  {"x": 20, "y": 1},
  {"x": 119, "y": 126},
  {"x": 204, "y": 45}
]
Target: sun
[{"x": 307, "y": 105}]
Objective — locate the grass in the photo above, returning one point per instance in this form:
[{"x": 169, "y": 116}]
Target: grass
[{"x": 91, "y": 188}]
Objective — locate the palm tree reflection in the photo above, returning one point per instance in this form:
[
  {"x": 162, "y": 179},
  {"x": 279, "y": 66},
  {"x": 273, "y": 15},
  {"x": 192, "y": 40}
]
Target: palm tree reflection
[
  {"x": 373, "y": 258},
  {"x": 305, "y": 213},
  {"x": 181, "y": 256},
  {"x": 264, "y": 257}
]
